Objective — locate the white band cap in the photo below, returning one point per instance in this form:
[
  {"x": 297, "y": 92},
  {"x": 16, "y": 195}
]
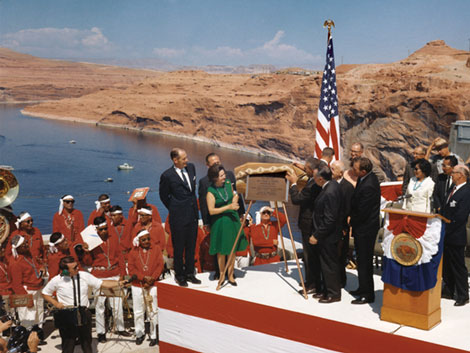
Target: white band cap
[
  {"x": 135, "y": 241},
  {"x": 52, "y": 246},
  {"x": 23, "y": 218},
  {"x": 61, "y": 202},
  {"x": 144, "y": 211}
]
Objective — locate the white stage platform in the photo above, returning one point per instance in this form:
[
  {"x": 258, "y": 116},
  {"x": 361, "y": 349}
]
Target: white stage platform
[{"x": 264, "y": 313}]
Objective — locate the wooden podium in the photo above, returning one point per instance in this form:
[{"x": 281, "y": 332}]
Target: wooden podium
[
  {"x": 416, "y": 309},
  {"x": 411, "y": 308}
]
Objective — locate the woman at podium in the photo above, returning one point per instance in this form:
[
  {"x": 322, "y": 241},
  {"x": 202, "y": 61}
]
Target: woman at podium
[
  {"x": 420, "y": 189},
  {"x": 222, "y": 204}
]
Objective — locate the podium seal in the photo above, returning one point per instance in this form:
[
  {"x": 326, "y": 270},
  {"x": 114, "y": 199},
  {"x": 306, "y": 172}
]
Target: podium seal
[{"x": 406, "y": 250}]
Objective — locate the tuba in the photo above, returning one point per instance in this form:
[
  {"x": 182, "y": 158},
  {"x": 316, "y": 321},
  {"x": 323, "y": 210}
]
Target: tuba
[{"x": 9, "y": 189}]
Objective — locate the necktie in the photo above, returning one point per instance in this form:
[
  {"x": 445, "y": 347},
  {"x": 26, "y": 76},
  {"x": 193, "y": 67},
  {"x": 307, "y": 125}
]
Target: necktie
[
  {"x": 185, "y": 177},
  {"x": 451, "y": 193}
]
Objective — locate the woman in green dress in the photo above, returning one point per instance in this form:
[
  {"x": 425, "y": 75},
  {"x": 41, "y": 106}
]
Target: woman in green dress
[{"x": 222, "y": 204}]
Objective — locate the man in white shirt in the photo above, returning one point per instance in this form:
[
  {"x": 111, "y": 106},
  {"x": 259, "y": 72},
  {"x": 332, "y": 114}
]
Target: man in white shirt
[{"x": 73, "y": 317}]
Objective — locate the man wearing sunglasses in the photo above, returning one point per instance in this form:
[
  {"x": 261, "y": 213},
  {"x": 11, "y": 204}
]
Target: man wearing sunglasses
[
  {"x": 68, "y": 220},
  {"x": 32, "y": 236}
]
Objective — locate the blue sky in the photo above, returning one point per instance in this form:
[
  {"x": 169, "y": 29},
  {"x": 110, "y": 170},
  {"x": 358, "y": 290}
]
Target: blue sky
[{"x": 222, "y": 32}]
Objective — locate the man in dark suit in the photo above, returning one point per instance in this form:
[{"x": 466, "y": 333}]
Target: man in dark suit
[
  {"x": 305, "y": 198},
  {"x": 444, "y": 183},
  {"x": 204, "y": 184},
  {"x": 327, "y": 232},
  {"x": 365, "y": 222},
  {"x": 347, "y": 190},
  {"x": 178, "y": 194},
  {"x": 456, "y": 209}
]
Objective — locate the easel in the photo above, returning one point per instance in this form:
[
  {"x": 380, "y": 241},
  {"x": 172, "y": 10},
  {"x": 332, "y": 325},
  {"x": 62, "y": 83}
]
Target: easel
[{"x": 232, "y": 253}]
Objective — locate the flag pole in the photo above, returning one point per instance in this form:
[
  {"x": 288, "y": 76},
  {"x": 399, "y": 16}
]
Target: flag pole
[{"x": 328, "y": 24}]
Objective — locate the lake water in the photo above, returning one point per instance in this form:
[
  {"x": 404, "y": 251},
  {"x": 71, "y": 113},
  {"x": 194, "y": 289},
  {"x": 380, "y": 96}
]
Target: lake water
[{"x": 47, "y": 166}]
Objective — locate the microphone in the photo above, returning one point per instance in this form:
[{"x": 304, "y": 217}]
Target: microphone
[{"x": 403, "y": 197}]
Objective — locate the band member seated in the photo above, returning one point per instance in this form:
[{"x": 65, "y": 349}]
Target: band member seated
[
  {"x": 121, "y": 228},
  {"x": 5, "y": 275},
  {"x": 146, "y": 221},
  {"x": 103, "y": 206},
  {"x": 60, "y": 247},
  {"x": 265, "y": 236},
  {"x": 145, "y": 266},
  {"x": 27, "y": 278},
  {"x": 68, "y": 220},
  {"x": 31, "y": 234},
  {"x": 133, "y": 215},
  {"x": 108, "y": 264},
  {"x": 73, "y": 317}
]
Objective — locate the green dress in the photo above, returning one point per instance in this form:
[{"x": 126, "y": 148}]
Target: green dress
[{"x": 225, "y": 225}]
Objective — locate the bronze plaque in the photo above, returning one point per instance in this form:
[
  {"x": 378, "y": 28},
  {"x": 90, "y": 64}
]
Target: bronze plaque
[
  {"x": 406, "y": 250},
  {"x": 266, "y": 188}
]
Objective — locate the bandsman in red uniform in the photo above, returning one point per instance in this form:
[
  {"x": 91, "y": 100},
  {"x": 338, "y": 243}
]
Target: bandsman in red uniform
[
  {"x": 146, "y": 221},
  {"x": 103, "y": 205},
  {"x": 146, "y": 266},
  {"x": 68, "y": 220},
  {"x": 31, "y": 235},
  {"x": 133, "y": 215},
  {"x": 121, "y": 228},
  {"x": 60, "y": 247},
  {"x": 27, "y": 278},
  {"x": 108, "y": 264},
  {"x": 265, "y": 236}
]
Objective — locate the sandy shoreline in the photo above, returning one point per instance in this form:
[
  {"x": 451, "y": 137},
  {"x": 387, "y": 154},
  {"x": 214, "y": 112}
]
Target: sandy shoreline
[{"x": 165, "y": 133}]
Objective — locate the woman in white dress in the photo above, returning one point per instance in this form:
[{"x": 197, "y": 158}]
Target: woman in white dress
[{"x": 420, "y": 187}]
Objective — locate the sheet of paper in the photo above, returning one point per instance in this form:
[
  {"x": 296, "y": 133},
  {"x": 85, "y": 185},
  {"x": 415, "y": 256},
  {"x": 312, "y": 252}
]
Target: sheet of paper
[{"x": 90, "y": 236}]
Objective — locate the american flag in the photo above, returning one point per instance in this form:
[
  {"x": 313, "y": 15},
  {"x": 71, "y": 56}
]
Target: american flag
[{"x": 327, "y": 134}]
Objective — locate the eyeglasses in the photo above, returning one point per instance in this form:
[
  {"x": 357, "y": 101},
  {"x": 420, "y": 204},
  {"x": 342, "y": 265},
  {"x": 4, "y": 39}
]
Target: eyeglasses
[
  {"x": 265, "y": 212},
  {"x": 69, "y": 201},
  {"x": 28, "y": 221}
]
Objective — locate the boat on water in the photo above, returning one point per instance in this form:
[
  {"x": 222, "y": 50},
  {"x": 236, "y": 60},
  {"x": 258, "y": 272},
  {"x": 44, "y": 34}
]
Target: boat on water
[
  {"x": 108, "y": 180},
  {"x": 7, "y": 167},
  {"x": 125, "y": 166},
  {"x": 72, "y": 141}
]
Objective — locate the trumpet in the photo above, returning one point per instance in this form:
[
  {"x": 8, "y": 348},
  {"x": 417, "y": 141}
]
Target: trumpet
[
  {"x": 148, "y": 300},
  {"x": 9, "y": 189}
]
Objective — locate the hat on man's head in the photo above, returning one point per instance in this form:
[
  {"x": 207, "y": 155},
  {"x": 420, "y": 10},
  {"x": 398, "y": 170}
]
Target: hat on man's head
[
  {"x": 264, "y": 208},
  {"x": 440, "y": 143}
]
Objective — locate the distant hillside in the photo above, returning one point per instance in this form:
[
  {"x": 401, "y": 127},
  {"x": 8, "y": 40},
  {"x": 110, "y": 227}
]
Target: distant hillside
[
  {"x": 28, "y": 78},
  {"x": 389, "y": 107}
]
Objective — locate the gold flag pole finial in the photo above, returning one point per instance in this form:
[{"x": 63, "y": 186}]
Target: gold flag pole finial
[{"x": 329, "y": 24}]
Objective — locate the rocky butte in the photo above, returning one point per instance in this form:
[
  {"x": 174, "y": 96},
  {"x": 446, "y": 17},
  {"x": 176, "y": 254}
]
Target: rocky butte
[{"x": 391, "y": 107}]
